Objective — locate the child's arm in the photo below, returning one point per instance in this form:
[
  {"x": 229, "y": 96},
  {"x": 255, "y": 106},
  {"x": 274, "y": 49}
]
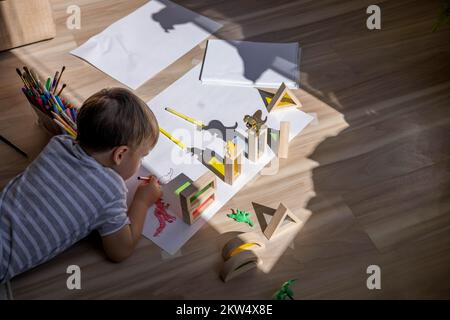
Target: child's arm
[{"x": 119, "y": 245}]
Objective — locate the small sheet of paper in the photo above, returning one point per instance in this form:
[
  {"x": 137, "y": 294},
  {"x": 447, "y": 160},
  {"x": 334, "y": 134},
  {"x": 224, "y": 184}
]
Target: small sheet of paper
[
  {"x": 218, "y": 107},
  {"x": 246, "y": 63},
  {"x": 138, "y": 46}
]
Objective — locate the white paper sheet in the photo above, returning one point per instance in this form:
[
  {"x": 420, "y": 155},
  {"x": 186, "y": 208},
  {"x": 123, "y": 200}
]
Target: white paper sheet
[
  {"x": 138, "y": 46},
  {"x": 246, "y": 63},
  {"x": 227, "y": 104}
]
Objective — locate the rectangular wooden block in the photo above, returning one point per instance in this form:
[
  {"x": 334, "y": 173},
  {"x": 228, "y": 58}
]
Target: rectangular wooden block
[
  {"x": 257, "y": 143},
  {"x": 197, "y": 197},
  {"x": 233, "y": 167},
  {"x": 25, "y": 21},
  {"x": 262, "y": 141},
  {"x": 252, "y": 145},
  {"x": 283, "y": 145}
]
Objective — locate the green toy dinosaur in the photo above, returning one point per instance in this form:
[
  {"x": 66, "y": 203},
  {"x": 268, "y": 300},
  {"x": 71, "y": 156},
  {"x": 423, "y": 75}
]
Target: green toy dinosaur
[
  {"x": 241, "y": 216},
  {"x": 285, "y": 291}
]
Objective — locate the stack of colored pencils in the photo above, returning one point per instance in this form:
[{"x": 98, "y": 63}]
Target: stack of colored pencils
[{"x": 47, "y": 99}]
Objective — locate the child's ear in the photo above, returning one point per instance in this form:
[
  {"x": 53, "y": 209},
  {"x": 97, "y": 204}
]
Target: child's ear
[{"x": 118, "y": 154}]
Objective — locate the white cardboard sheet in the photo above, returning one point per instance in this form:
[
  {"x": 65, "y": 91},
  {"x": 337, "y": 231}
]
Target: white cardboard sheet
[
  {"x": 138, "y": 46},
  {"x": 206, "y": 103},
  {"x": 246, "y": 63}
]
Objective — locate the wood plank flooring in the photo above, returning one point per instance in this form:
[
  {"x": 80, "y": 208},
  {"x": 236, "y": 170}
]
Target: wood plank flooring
[{"x": 371, "y": 176}]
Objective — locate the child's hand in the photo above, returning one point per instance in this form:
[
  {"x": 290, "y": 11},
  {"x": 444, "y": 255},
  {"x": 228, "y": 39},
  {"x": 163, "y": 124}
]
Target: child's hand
[{"x": 148, "y": 192}]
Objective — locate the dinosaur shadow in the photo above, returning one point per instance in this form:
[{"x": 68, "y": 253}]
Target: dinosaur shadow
[
  {"x": 168, "y": 20},
  {"x": 216, "y": 127},
  {"x": 281, "y": 62}
]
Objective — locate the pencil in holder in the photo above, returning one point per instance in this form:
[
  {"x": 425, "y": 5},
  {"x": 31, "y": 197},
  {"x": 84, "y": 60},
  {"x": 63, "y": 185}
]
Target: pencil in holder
[
  {"x": 54, "y": 112},
  {"x": 45, "y": 122}
]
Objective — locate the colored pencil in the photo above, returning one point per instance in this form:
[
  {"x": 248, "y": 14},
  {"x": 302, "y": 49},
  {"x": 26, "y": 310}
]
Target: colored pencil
[
  {"x": 60, "y": 75},
  {"x": 185, "y": 117},
  {"x": 47, "y": 84},
  {"x": 65, "y": 128},
  {"x": 47, "y": 101},
  {"x": 173, "y": 139},
  {"x": 61, "y": 90},
  {"x": 53, "y": 89}
]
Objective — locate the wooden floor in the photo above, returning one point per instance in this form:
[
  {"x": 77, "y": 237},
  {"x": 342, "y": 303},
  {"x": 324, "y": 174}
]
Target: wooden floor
[{"x": 371, "y": 176}]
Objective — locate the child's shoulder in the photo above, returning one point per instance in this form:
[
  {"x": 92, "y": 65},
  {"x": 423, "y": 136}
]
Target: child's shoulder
[
  {"x": 56, "y": 142},
  {"x": 66, "y": 156},
  {"x": 74, "y": 150}
]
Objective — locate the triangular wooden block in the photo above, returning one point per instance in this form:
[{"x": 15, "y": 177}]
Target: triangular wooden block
[
  {"x": 275, "y": 226},
  {"x": 283, "y": 99}
]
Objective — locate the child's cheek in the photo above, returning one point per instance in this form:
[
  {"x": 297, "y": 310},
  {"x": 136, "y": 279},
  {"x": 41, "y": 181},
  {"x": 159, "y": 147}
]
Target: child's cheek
[{"x": 139, "y": 163}]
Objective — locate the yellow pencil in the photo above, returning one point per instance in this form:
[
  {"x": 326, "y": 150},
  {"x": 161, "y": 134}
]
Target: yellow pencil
[
  {"x": 173, "y": 139},
  {"x": 185, "y": 117},
  {"x": 65, "y": 128}
]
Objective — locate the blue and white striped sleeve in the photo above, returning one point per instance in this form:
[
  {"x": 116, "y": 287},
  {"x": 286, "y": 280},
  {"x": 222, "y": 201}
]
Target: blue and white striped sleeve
[{"x": 113, "y": 217}]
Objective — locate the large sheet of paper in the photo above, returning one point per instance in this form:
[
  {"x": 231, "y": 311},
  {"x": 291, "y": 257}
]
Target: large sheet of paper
[
  {"x": 246, "y": 63},
  {"x": 217, "y": 107},
  {"x": 138, "y": 46}
]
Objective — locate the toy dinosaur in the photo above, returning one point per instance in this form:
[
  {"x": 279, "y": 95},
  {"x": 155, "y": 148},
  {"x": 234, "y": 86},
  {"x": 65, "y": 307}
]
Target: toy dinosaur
[
  {"x": 241, "y": 216},
  {"x": 254, "y": 122},
  {"x": 285, "y": 291}
]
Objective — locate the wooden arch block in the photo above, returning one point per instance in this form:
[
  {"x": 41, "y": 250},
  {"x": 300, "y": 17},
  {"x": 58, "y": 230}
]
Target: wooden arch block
[
  {"x": 239, "y": 264},
  {"x": 243, "y": 241}
]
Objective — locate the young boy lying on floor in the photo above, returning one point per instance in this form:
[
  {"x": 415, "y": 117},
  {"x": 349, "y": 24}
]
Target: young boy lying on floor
[{"x": 75, "y": 187}]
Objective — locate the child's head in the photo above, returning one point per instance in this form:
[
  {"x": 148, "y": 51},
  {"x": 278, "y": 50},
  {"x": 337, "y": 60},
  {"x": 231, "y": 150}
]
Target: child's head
[{"x": 117, "y": 128}]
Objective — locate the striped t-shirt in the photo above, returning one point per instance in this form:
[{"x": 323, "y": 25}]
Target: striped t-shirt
[{"x": 58, "y": 200}]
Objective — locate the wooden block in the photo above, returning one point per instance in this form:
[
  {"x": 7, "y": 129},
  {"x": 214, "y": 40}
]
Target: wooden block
[
  {"x": 244, "y": 241},
  {"x": 233, "y": 163},
  {"x": 194, "y": 201},
  {"x": 229, "y": 169},
  {"x": 283, "y": 93},
  {"x": 24, "y": 22},
  {"x": 257, "y": 143},
  {"x": 252, "y": 145},
  {"x": 283, "y": 143},
  {"x": 238, "y": 264},
  {"x": 262, "y": 141},
  {"x": 275, "y": 225}
]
